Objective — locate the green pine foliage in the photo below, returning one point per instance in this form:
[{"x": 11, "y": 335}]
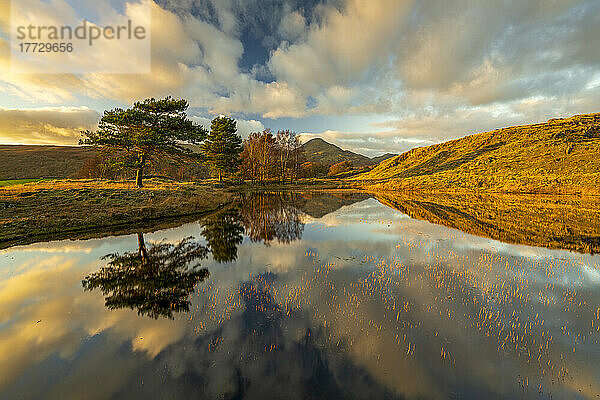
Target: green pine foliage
[
  {"x": 151, "y": 128},
  {"x": 222, "y": 147},
  {"x": 155, "y": 280},
  {"x": 223, "y": 232}
]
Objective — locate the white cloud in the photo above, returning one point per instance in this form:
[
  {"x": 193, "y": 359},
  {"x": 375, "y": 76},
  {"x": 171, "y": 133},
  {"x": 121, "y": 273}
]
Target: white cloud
[
  {"x": 439, "y": 71},
  {"x": 292, "y": 26},
  {"x": 244, "y": 127},
  {"x": 123, "y": 53},
  {"x": 50, "y": 125}
]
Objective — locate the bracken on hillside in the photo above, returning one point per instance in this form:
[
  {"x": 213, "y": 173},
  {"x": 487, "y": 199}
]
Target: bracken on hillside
[{"x": 561, "y": 156}]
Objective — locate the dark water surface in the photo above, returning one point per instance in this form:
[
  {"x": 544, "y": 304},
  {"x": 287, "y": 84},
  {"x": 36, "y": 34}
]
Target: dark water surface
[{"x": 299, "y": 296}]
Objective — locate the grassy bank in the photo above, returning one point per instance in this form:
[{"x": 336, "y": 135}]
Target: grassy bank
[
  {"x": 52, "y": 208},
  {"x": 304, "y": 184},
  {"x": 82, "y": 209},
  {"x": 38, "y": 210}
]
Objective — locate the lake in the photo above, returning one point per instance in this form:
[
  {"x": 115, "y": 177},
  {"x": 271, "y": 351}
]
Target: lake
[{"x": 312, "y": 296}]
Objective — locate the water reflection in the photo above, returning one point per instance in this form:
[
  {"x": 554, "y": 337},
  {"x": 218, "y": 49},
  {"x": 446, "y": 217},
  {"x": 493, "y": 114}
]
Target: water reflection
[
  {"x": 363, "y": 302},
  {"x": 223, "y": 232},
  {"x": 559, "y": 222},
  {"x": 274, "y": 216},
  {"x": 155, "y": 280}
]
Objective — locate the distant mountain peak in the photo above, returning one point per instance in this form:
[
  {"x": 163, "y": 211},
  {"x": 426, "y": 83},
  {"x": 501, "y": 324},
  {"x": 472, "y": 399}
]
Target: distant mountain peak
[
  {"x": 318, "y": 139},
  {"x": 323, "y": 152},
  {"x": 320, "y": 151}
]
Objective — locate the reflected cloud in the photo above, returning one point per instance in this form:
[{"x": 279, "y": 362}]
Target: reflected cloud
[
  {"x": 46, "y": 319},
  {"x": 377, "y": 305}
]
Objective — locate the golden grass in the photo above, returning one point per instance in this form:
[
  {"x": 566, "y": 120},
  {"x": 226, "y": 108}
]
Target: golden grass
[
  {"x": 52, "y": 207},
  {"x": 557, "y": 157}
]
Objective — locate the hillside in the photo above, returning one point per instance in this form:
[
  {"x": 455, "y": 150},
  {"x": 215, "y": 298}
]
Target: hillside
[
  {"x": 322, "y": 152},
  {"x": 60, "y": 162},
  {"x": 42, "y": 161},
  {"x": 559, "y": 156},
  {"x": 383, "y": 157},
  {"x": 31, "y": 162}
]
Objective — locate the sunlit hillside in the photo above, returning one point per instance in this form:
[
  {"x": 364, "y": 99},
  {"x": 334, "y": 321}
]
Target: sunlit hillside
[
  {"x": 32, "y": 162},
  {"x": 559, "y": 156}
]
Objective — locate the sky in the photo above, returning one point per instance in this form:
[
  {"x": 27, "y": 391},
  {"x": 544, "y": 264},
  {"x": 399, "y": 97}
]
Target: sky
[{"x": 372, "y": 76}]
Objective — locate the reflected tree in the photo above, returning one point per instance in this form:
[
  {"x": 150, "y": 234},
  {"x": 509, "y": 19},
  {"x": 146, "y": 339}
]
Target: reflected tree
[
  {"x": 155, "y": 280},
  {"x": 223, "y": 232},
  {"x": 272, "y": 216}
]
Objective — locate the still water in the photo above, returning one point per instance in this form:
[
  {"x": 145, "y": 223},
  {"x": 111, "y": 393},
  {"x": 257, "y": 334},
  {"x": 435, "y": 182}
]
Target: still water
[{"x": 299, "y": 296}]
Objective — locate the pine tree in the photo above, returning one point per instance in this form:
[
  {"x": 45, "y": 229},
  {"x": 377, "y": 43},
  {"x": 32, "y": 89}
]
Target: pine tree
[
  {"x": 222, "y": 147},
  {"x": 155, "y": 280},
  {"x": 150, "y": 128}
]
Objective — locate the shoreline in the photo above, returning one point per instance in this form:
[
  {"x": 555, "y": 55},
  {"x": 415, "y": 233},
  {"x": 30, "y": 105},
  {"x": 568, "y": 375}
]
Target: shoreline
[
  {"x": 85, "y": 209},
  {"x": 66, "y": 209}
]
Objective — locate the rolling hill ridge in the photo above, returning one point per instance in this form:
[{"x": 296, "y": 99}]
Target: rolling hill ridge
[
  {"x": 59, "y": 162},
  {"x": 33, "y": 161},
  {"x": 561, "y": 156}
]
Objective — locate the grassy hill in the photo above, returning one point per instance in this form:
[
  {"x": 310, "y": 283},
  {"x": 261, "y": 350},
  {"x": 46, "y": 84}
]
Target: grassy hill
[
  {"x": 32, "y": 162},
  {"x": 64, "y": 162},
  {"x": 383, "y": 157},
  {"x": 561, "y": 156},
  {"x": 322, "y": 152},
  {"x": 60, "y": 162}
]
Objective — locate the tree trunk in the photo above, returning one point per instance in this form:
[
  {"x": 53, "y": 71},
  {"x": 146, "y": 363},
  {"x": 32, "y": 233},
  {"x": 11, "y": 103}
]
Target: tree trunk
[
  {"x": 142, "y": 249},
  {"x": 140, "y": 172},
  {"x": 138, "y": 177}
]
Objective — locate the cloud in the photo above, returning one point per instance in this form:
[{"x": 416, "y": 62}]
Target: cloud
[
  {"x": 292, "y": 26},
  {"x": 244, "y": 127},
  {"x": 50, "y": 125},
  {"x": 436, "y": 71},
  {"x": 123, "y": 53},
  {"x": 345, "y": 49}
]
